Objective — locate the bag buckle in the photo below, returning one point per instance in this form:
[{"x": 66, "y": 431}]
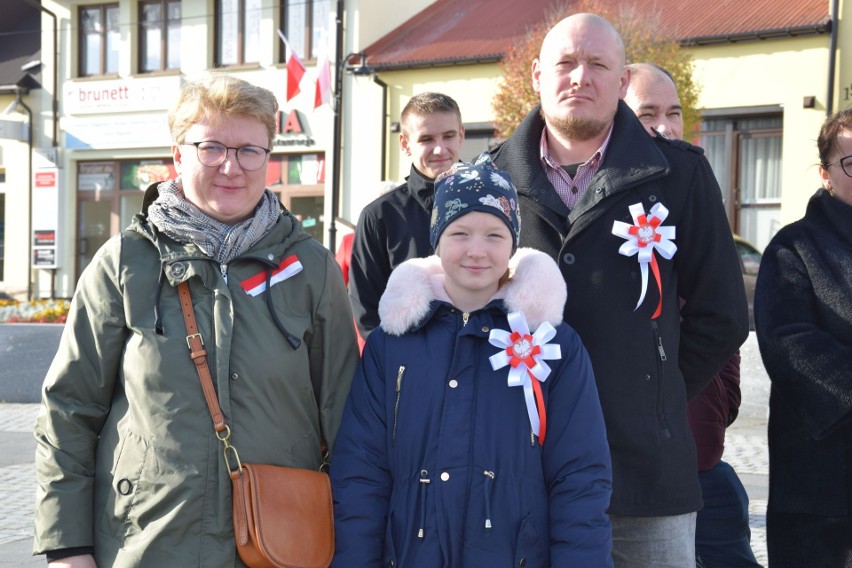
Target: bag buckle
[{"x": 189, "y": 337}]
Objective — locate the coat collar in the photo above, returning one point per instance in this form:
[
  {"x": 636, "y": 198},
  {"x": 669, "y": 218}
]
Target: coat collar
[
  {"x": 421, "y": 189},
  {"x": 834, "y": 212},
  {"x": 536, "y": 288}
]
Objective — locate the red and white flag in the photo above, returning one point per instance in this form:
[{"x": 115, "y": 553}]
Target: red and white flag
[
  {"x": 322, "y": 94},
  {"x": 256, "y": 284},
  {"x": 295, "y": 68}
]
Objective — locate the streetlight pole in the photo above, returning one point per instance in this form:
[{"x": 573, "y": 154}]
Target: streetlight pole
[{"x": 336, "y": 163}]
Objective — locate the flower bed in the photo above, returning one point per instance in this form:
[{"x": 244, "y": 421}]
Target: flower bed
[{"x": 41, "y": 311}]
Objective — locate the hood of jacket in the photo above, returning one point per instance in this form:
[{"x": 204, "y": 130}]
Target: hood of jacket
[{"x": 535, "y": 287}]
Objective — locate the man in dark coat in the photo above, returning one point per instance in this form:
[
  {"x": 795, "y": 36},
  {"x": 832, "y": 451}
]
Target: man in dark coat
[
  {"x": 722, "y": 533},
  {"x": 629, "y": 217},
  {"x": 395, "y": 227}
]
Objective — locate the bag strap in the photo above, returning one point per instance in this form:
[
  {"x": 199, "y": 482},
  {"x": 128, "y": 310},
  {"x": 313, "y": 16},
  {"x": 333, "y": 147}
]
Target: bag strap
[{"x": 198, "y": 354}]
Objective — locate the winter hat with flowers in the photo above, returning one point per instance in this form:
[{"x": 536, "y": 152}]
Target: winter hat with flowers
[{"x": 466, "y": 188}]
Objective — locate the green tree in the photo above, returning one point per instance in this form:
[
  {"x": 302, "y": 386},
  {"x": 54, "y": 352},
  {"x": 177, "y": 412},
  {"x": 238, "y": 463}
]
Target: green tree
[{"x": 515, "y": 96}]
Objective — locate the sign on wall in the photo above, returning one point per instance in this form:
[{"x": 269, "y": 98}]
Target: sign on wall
[{"x": 45, "y": 217}]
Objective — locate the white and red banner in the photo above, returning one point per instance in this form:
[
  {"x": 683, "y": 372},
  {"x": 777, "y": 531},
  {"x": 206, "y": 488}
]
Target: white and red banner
[{"x": 256, "y": 284}]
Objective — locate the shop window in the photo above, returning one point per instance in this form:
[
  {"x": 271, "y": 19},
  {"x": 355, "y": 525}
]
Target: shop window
[
  {"x": 99, "y": 40},
  {"x": 306, "y": 25},
  {"x": 299, "y": 182},
  {"x": 159, "y": 35},
  {"x": 109, "y": 194},
  {"x": 238, "y": 32}
]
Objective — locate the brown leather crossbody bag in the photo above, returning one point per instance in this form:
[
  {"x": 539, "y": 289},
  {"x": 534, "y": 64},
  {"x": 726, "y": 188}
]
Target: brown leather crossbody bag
[{"x": 283, "y": 516}]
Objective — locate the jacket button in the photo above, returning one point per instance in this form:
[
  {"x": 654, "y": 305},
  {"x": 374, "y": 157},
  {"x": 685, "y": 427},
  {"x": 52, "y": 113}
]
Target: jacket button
[
  {"x": 522, "y": 562},
  {"x": 235, "y": 376},
  {"x": 568, "y": 258},
  {"x": 269, "y": 256},
  {"x": 485, "y": 329},
  {"x": 652, "y": 198},
  {"x": 445, "y": 476},
  {"x": 454, "y": 383},
  {"x": 647, "y": 377},
  {"x": 124, "y": 486}
]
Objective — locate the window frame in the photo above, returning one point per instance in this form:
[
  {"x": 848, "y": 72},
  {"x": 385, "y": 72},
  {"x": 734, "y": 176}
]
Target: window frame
[
  {"x": 241, "y": 35},
  {"x": 82, "y": 52},
  {"x": 166, "y": 28},
  {"x": 304, "y": 51}
]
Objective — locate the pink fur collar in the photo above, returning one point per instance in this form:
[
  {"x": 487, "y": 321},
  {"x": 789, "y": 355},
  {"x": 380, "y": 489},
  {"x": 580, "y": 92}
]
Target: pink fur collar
[{"x": 536, "y": 288}]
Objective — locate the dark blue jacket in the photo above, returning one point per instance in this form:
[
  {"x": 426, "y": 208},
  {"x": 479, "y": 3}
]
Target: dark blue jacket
[{"x": 434, "y": 443}]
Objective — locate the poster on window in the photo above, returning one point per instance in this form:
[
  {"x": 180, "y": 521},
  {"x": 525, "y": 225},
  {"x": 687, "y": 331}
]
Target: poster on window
[{"x": 96, "y": 176}]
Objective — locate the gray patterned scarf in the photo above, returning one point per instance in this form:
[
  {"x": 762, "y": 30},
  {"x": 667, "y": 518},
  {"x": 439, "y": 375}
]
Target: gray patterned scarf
[{"x": 175, "y": 216}]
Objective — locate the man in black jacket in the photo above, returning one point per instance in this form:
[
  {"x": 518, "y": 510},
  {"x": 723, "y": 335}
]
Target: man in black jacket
[
  {"x": 395, "y": 227},
  {"x": 635, "y": 223}
]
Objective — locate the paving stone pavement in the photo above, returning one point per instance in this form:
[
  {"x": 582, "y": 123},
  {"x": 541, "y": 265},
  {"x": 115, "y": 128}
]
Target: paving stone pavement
[{"x": 745, "y": 450}]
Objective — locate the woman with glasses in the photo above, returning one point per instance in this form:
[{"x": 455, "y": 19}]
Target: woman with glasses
[
  {"x": 803, "y": 316},
  {"x": 130, "y": 472}
]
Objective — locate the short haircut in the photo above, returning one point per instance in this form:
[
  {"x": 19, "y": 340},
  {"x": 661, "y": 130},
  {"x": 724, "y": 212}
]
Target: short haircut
[
  {"x": 425, "y": 104},
  {"x": 643, "y": 68},
  {"x": 831, "y": 129},
  {"x": 215, "y": 96}
]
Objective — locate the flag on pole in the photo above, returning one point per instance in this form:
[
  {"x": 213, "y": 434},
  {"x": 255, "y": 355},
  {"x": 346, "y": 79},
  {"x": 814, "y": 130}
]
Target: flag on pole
[
  {"x": 322, "y": 94},
  {"x": 295, "y": 68}
]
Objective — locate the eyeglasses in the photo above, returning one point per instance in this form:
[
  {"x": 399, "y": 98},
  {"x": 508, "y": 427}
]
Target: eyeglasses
[
  {"x": 213, "y": 154},
  {"x": 845, "y": 165}
]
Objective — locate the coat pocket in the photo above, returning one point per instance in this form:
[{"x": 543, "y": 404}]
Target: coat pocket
[
  {"x": 532, "y": 548},
  {"x": 125, "y": 489},
  {"x": 389, "y": 555}
]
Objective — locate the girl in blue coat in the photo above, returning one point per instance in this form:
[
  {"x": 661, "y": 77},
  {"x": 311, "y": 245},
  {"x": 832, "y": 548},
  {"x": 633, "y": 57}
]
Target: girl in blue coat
[{"x": 473, "y": 435}]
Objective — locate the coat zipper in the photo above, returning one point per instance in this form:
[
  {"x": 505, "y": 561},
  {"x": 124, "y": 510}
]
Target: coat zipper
[
  {"x": 399, "y": 374},
  {"x": 223, "y": 268},
  {"x": 465, "y": 317},
  {"x": 424, "y": 482},
  {"x": 661, "y": 358},
  {"x": 489, "y": 476}
]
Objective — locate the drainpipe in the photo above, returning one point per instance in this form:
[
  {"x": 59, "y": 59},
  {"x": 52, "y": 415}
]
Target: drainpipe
[
  {"x": 384, "y": 130},
  {"x": 55, "y": 102},
  {"x": 832, "y": 59}
]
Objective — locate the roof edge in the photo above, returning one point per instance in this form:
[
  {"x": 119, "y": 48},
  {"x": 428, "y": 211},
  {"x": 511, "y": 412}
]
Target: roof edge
[
  {"x": 426, "y": 63},
  {"x": 814, "y": 29}
]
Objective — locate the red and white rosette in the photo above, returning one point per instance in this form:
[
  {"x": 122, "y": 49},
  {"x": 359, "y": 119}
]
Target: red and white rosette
[
  {"x": 644, "y": 236},
  {"x": 524, "y": 353}
]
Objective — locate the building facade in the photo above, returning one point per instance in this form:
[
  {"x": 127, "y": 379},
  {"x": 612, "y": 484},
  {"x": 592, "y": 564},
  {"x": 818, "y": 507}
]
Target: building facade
[
  {"x": 87, "y": 130},
  {"x": 118, "y": 67}
]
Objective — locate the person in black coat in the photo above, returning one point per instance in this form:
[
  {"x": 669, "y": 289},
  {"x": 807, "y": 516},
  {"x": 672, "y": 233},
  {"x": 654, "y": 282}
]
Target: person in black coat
[
  {"x": 395, "y": 227},
  {"x": 722, "y": 533},
  {"x": 592, "y": 183},
  {"x": 803, "y": 317}
]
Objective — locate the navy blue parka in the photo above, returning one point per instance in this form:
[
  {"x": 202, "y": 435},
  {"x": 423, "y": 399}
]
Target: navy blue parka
[{"x": 436, "y": 464}]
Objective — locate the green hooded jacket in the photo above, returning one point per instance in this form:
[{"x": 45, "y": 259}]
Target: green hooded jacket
[{"x": 127, "y": 461}]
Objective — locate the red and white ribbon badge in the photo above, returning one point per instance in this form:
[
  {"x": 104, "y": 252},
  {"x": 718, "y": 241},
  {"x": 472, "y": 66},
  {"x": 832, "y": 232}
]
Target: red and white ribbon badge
[
  {"x": 643, "y": 236},
  {"x": 525, "y": 354},
  {"x": 256, "y": 284}
]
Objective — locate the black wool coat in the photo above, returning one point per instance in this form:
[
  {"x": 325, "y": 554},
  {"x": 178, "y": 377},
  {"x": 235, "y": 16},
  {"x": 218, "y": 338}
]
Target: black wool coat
[
  {"x": 803, "y": 318},
  {"x": 645, "y": 369},
  {"x": 390, "y": 230}
]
